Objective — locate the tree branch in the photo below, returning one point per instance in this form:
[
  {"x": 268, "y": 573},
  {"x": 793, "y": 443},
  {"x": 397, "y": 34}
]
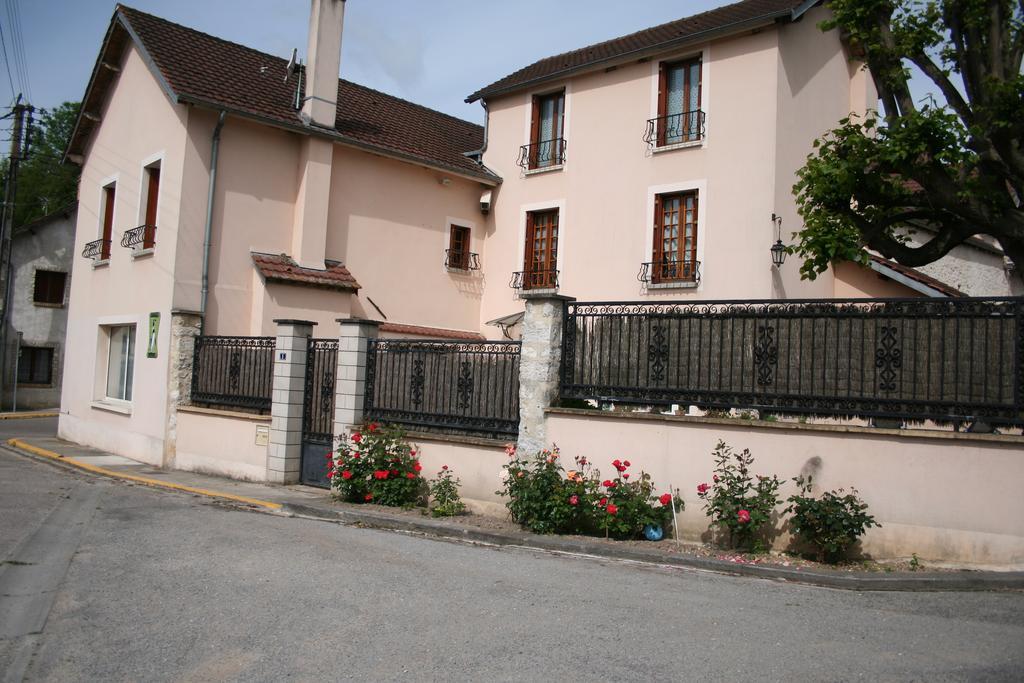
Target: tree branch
[
  {"x": 944, "y": 241},
  {"x": 949, "y": 91}
]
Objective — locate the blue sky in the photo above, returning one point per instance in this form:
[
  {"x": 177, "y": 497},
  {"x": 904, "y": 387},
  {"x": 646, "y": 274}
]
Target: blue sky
[{"x": 431, "y": 52}]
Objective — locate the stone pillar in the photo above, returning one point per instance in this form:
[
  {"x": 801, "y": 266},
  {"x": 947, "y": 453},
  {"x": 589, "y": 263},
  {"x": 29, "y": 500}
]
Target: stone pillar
[
  {"x": 538, "y": 366},
  {"x": 284, "y": 457},
  {"x": 350, "y": 381},
  {"x": 185, "y": 327}
]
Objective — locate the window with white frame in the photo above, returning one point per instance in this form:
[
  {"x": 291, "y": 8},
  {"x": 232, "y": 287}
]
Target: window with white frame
[{"x": 120, "y": 362}]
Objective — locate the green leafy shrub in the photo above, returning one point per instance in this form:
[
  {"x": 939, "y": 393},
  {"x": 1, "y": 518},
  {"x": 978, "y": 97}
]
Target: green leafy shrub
[
  {"x": 737, "y": 501},
  {"x": 376, "y": 465},
  {"x": 830, "y": 523},
  {"x": 545, "y": 499},
  {"x": 444, "y": 494}
]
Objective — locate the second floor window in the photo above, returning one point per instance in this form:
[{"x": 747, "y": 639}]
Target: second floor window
[
  {"x": 679, "y": 102},
  {"x": 152, "y": 195},
  {"x": 540, "y": 267},
  {"x": 675, "y": 238},
  {"x": 49, "y": 287},
  {"x": 108, "y": 220},
  {"x": 458, "y": 248},
  {"x": 547, "y": 128}
]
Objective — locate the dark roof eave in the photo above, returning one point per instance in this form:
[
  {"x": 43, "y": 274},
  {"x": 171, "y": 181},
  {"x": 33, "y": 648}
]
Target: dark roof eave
[
  {"x": 351, "y": 289},
  {"x": 702, "y": 36}
]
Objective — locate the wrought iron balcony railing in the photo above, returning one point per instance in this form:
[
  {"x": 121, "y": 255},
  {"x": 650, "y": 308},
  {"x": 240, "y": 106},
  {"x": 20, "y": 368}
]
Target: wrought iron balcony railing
[
  {"x": 543, "y": 154},
  {"x": 461, "y": 260},
  {"x": 97, "y": 250},
  {"x": 144, "y": 236},
  {"x": 534, "y": 279},
  {"x": 660, "y": 272},
  {"x": 675, "y": 129}
]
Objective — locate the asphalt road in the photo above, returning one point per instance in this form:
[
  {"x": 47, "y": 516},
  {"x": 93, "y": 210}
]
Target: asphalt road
[{"x": 128, "y": 583}]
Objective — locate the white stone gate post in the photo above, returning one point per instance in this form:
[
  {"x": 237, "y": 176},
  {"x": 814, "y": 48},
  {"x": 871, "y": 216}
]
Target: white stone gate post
[
  {"x": 284, "y": 457},
  {"x": 539, "y": 362},
  {"x": 350, "y": 381}
]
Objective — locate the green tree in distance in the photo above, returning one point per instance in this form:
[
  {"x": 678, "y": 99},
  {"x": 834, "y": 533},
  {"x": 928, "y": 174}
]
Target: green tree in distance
[
  {"x": 945, "y": 170},
  {"x": 45, "y": 184}
]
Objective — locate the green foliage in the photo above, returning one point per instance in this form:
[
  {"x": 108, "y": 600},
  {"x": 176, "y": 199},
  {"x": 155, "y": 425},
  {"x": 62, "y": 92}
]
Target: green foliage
[
  {"x": 45, "y": 184},
  {"x": 945, "y": 170},
  {"x": 545, "y": 499},
  {"x": 737, "y": 501},
  {"x": 832, "y": 522},
  {"x": 376, "y": 465},
  {"x": 444, "y": 494}
]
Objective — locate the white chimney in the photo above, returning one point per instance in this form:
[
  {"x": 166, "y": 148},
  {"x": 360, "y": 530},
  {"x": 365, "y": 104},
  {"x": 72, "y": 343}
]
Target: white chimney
[{"x": 324, "y": 59}]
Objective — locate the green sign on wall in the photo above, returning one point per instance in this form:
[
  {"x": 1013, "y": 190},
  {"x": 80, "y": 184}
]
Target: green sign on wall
[{"x": 154, "y": 329}]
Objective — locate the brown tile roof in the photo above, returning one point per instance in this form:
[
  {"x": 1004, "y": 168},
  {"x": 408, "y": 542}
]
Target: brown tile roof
[
  {"x": 917, "y": 276},
  {"x": 203, "y": 69},
  {"x": 701, "y": 26},
  {"x": 435, "y": 332},
  {"x": 282, "y": 268}
]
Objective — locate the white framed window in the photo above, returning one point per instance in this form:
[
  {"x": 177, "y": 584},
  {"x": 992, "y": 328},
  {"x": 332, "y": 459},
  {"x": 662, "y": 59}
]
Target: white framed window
[{"x": 120, "y": 362}]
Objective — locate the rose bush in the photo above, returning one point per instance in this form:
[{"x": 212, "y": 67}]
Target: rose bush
[
  {"x": 830, "y": 523},
  {"x": 444, "y": 494},
  {"x": 376, "y": 465},
  {"x": 737, "y": 501}
]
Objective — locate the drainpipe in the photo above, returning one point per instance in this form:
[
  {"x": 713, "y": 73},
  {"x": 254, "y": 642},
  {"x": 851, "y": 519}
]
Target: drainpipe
[
  {"x": 214, "y": 149},
  {"x": 487, "y": 120}
]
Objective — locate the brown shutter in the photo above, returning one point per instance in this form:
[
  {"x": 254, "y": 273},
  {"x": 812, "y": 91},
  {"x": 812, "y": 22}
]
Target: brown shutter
[
  {"x": 693, "y": 249},
  {"x": 560, "y": 149},
  {"x": 152, "y": 195},
  {"x": 656, "y": 252},
  {"x": 534, "y": 131},
  {"x": 662, "y": 102},
  {"x": 528, "y": 249},
  {"x": 108, "y": 221}
]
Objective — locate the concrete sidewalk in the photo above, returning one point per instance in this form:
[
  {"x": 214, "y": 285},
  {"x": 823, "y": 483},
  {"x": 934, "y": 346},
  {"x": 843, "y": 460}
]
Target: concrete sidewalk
[{"x": 312, "y": 503}]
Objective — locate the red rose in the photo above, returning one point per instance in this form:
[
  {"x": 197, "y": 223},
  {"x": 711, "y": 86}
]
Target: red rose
[
  {"x": 626, "y": 463},
  {"x": 743, "y": 516},
  {"x": 368, "y": 497},
  {"x": 380, "y": 474},
  {"x": 607, "y": 483},
  {"x": 346, "y": 475},
  {"x": 418, "y": 467},
  {"x": 612, "y": 509},
  {"x": 410, "y": 475},
  {"x": 703, "y": 488},
  {"x": 574, "y": 499},
  {"x": 616, "y": 463},
  {"x": 625, "y": 476},
  {"x": 444, "y": 468},
  {"x": 665, "y": 499},
  {"x": 394, "y": 473},
  {"x": 328, "y": 456},
  {"x": 372, "y": 427},
  {"x": 602, "y": 502},
  {"x": 357, "y": 437},
  {"x": 715, "y": 478},
  {"x": 355, "y": 455}
]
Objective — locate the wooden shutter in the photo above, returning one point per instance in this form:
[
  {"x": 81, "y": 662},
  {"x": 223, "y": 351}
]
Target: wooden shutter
[
  {"x": 662, "y": 102},
  {"x": 560, "y": 132},
  {"x": 108, "y": 220},
  {"x": 528, "y": 249},
  {"x": 152, "y": 195},
  {"x": 692, "y": 270},
  {"x": 534, "y": 131},
  {"x": 656, "y": 252}
]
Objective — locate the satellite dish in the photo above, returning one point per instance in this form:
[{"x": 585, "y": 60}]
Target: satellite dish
[{"x": 293, "y": 64}]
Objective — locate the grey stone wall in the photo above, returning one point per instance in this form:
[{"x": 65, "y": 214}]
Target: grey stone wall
[
  {"x": 185, "y": 326},
  {"x": 538, "y": 367}
]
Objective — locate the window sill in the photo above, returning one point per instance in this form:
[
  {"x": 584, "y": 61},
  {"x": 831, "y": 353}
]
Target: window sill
[
  {"x": 142, "y": 253},
  {"x": 462, "y": 271},
  {"x": 113, "y": 406},
  {"x": 680, "y": 145},
  {"x": 545, "y": 169},
  {"x": 673, "y": 285},
  {"x": 101, "y": 263},
  {"x": 537, "y": 292},
  {"x": 43, "y": 304}
]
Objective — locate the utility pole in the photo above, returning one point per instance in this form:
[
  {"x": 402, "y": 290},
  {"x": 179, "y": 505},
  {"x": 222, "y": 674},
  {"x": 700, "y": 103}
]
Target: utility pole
[{"x": 18, "y": 154}]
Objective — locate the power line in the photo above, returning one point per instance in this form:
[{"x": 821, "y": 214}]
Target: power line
[
  {"x": 21, "y": 46},
  {"x": 7, "y": 63},
  {"x": 18, "y": 46}
]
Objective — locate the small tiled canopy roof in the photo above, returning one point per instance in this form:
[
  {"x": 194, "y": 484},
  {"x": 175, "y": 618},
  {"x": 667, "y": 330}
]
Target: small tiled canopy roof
[
  {"x": 204, "y": 70},
  {"x": 434, "y": 332},
  {"x": 718, "y": 22},
  {"x": 917, "y": 276},
  {"x": 282, "y": 268}
]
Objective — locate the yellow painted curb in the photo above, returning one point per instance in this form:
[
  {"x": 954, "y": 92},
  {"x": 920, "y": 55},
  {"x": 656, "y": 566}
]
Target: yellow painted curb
[
  {"x": 36, "y": 450},
  {"x": 25, "y": 416}
]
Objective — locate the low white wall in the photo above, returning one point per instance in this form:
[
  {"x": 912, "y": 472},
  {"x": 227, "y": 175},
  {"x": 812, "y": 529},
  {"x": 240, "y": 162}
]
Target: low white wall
[
  {"x": 111, "y": 433},
  {"x": 222, "y": 443},
  {"x": 476, "y": 462},
  {"x": 946, "y": 497}
]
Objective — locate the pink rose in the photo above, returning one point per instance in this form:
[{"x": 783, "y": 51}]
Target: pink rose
[
  {"x": 574, "y": 499},
  {"x": 703, "y": 488},
  {"x": 744, "y": 516}
]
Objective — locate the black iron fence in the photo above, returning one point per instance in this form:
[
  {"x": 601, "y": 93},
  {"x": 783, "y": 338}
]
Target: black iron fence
[
  {"x": 542, "y": 154},
  {"x": 444, "y": 385},
  {"x": 953, "y": 360},
  {"x": 236, "y": 372}
]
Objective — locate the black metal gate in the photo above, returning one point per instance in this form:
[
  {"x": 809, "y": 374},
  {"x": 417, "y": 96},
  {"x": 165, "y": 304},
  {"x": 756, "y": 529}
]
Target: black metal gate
[{"x": 318, "y": 410}]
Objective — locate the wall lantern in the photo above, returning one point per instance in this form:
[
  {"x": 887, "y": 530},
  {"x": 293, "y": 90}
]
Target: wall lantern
[{"x": 778, "y": 249}]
